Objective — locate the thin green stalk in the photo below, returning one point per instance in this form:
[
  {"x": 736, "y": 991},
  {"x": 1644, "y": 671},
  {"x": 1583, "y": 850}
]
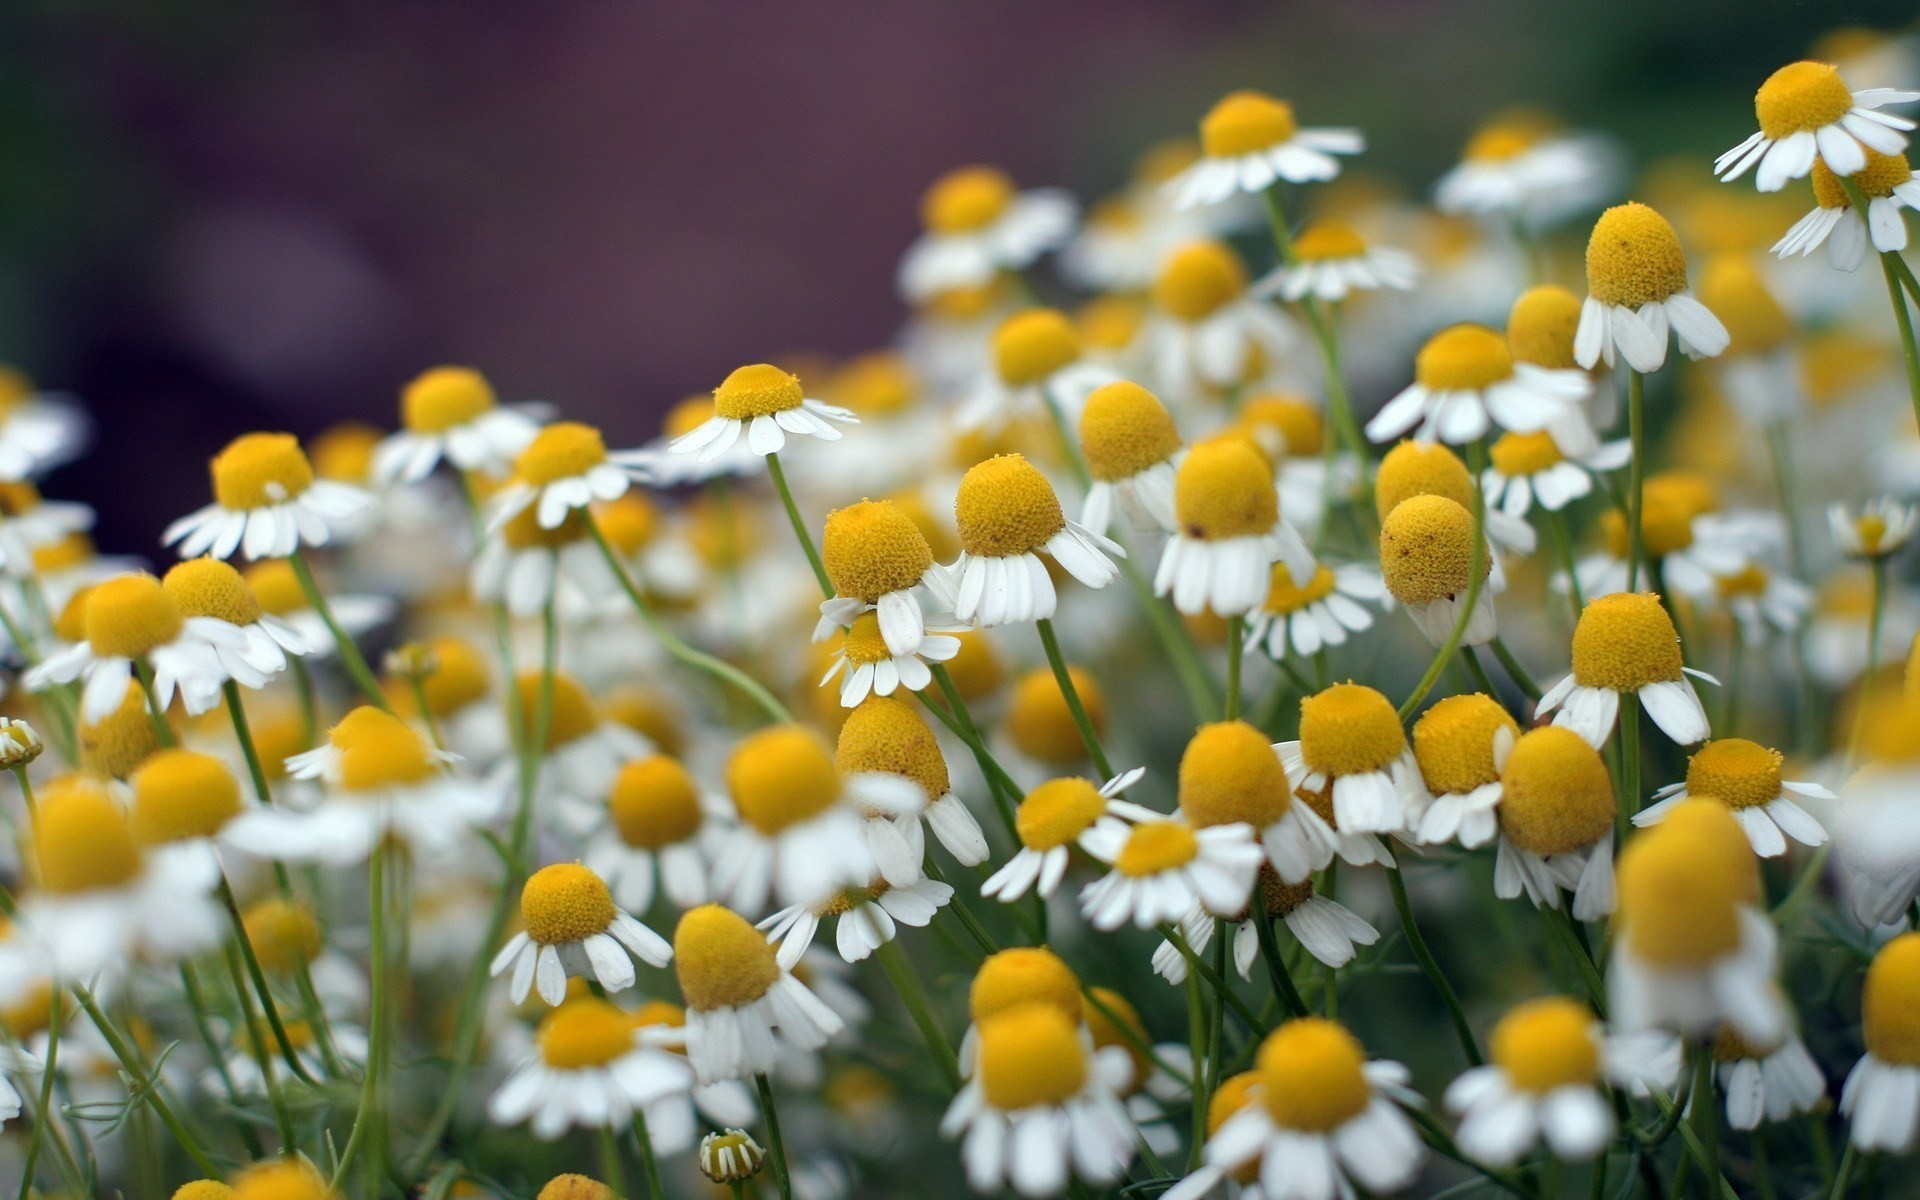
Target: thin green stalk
[
  {"x": 649, "y": 1165},
  {"x": 1236, "y": 653},
  {"x": 894, "y": 961},
  {"x": 1636, "y": 477},
  {"x": 1072, "y": 696},
  {"x": 610, "y": 1171},
  {"x": 43, "y": 1110},
  {"x": 700, "y": 660},
  {"x": 799, "y": 526},
  {"x": 1428, "y": 964},
  {"x": 143, "y": 1084},
  {"x": 368, "y": 1113},
  {"x": 1843, "y": 1178},
  {"x": 1780, "y": 451},
  {"x": 1324, "y": 337},
  {"x": 1478, "y": 670},
  {"x": 350, "y": 656},
  {"x": 155, "y": 713},
  {"x": 1283, "y": 986},
  {"x": 1896, "y": 271},
  {"x": 263, "y": 1057},
  {"x": 776, "y": 1149},
  {"x": 259, "y": 979},
  {"x": 1197, "y": 1049},
  {"x": 1173, "y": 638},
  {"x": 1514, "y": 670},
  {"x": 1629, "y": 761},
  {"x": 216, "y": 1057},
  {"x": 1562, "y": 540},
  {"x": 1476, "y": 580},
  {"x": 1563, "y": 926}
]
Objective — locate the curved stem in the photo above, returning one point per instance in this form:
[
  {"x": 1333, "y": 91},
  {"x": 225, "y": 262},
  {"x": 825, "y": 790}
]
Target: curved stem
[
  {"x": 1428, "y": 964},
  {"x": 1563, "y": 547},
  {"x": 776, "y": 1149},
  {"x": 350, "y": 656},
  {"x": 1514, "y": 670},
  {"x": 800, "y": 532},
  {"x": 1072, "y": 696},
  {"x": 900, "y": 972},
  {"x": 158, "y": 715}
]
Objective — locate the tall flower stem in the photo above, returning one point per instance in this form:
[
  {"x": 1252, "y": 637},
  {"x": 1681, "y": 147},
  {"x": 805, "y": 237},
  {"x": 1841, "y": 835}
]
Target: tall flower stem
[
  {"x": 263, "y": 1057},
  {"x": 1283, "y": 986},
  {"x": 1072, "y": 696},
  {"x": 699, "y": 660},
  {"x": 1514, "y": 670},
  {"x": 1431, "y": 966},
  {"x": 369, "y": 1114},
  {"x": 648, "y": 1163},
  {"x": 894, "y": 961},
  {"x": 259, "y": 981},
  {"x": 144, "y": 1085},
  {"x": 1562, "y": 540},
  {"x": 611, "y": 1173},
  {"x": 1476, "y": 581},
  {"x": 776, "y": 1149},
  {"x": 800, "y": 532},
  {"x": 158, "y": 715},
  {"x": 1636, "y": 477},
  {"x": 216, "y": 1057},
  {"x": 43, "y": 1110},
  {"x": 1894, "y": 268},
  {"x": 1236, "y": 655},
  {"x": 350, "y": 656}
]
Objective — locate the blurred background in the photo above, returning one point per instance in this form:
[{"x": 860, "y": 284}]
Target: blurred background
[{"x": 224, "y": 215}]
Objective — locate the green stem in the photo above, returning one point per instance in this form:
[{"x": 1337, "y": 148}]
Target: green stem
[
  {"x": 1563, "y": 546},
  {"x": 1236, "y": 647},
  {"x": 1428, "y": 964},
  {"x": 776, "y": 1149},
  {"x": 1780, "y": 450},
  {"x": 350, "y": 656},
  {"x": 216, "y": 1057},
  {"x": 143, "y": 1084},
  {"x": 894, "y": 961},
  {"x": 1514, "y": 670},
  {"x": 1283, "y": 986},
  {"x": 1071, "y": 695},
  {"x": 1197, "y": 1050},
  {"x": 43, "y": 1110},
  {"x": 161, "y": 729},
  {"x": 1896, "y": 271},
  {"x": 1476, "y": 580},
  {"x": 1636, "y": 477},
  {"x": 1562, "y": 922},
  {"x": 1173, "y": 637},
  {"x": 369, "y": 1113},
  {"x": 1843, "y": 1178},
  {"x": 263, "y": 1057},
  {"x": 610, "y": 1171},
  {"x": 1478, "y": 670},
  {"x": 259, "y": 979},
  {"x": 1324, "y": 337},
  {"x": 648, "y": 1163},
  {"x": 799, "y": 526}
]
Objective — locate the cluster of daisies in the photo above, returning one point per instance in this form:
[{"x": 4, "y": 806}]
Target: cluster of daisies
[{"x": 1089, "y": 747}]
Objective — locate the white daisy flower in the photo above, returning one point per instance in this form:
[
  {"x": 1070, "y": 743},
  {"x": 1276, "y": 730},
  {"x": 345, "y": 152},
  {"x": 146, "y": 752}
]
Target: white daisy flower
[
  {"x": 209, "y": 589},
  {"x": 588, "y": 1068},
  {"x": 871, "y": 669},
  {"x": 573, "y": 927},
  {"x": 1327, "y": 929},
  {"x": 1637, "y": 292},
  {"x": 766, "y": 404},
  {"x": 1887, "y": 183},
  {"x": 1304, "y": 619},
  {"x": 886, "y": 739},
  {"x": 1228, "y": 532},
  {"x": 1532, "y": 466},
  {"x": 1770, "y": 1081},
  {"x": 1881, "y": 529},
  {"x": 978, "y": 225},
  {"x": 1808, "y": 115},
  {"x": 1132, "y": 451},
  {"x": 452, "y": 413},
  {"x": 1230, "y": 773},
  {"x": 1882, "y": 1092},
  {"x": 31, "y": 524},
  {"x": 743, "y": 1007},
  {"x": 267, "y": 503},
  {"x": 527, "y": 567},
  {"x": 1519, "y": 165},
  {"x": 1331, "y": 261},
  {"x": 1352, "y": 746},
  {"x": 864, "y": 918},
  {"x": 1873, "y": 827},
  {"x": 1694, "y": 548},
  {"x": 1051, "y": 820},
  {"x": 1207, "y": 334},
  {"x": 1249, "y": 141},
  {"x": 662, "y": 826},
  {"x": 1162, "y": 868},
  {"x": 1460, "y": 744},
  {"x": 1007, "y": 512},
  {"x": 1038, "y": 364},
  {"x": 1626, "y": 643},
  {"x": 674, "y": 1121},
  {"x": 1745, "y": 776},
  {"x": 566, "y": 467},
  {"x": 1556, "y": 816},
  {"x": 1428, "y": 544},
  {"x": 875, "y": 557},
  {"x": 1466, "y": 379},
  {"x": 38, "y": 430},
  {"x": 131, "y": 619}
]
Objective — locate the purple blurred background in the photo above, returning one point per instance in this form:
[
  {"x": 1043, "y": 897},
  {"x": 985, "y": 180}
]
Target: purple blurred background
[{"x": 227, "y": 215}]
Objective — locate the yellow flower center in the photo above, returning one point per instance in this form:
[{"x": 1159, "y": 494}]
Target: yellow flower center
[
  {"x": 276, "y": 587},
  {"x": 1666, "y": 527},
  {"x": 1325, "y": 240},
  {"x": 1421, "y": 469},
  {"x": 863, "y": 642},
  {"x": 1499, "y": 143},
  {"x": 565, "y": 902},
  {"x": 344, "y": 452},
  {"x": 82, "y": 841},
  {"x": 1124, "y": 1029},
  {"x": 660, "y": 1013},
  {"x": 587, "y": 1032},
  {"x": 629, "y": 522},
  {"x": 1349, "y": 729},
  {"x": 882, "y": 734},
  {"x": 561, "y": 450},
  {"x": 1463, "y": 358},
  {"x": 363, "y": 723},
  {"x": 1677, "y": 900},
  {"x": 1453, "y": 743},
  {"x": 722, "y": 961},
  {"x": 1282, "y": 897},
  {"x": 391, "y": 757},
  {"x": 523, "y": 531},
  {"x": 570, "y": 712},
  {"x": 207, "y": 587},
  {"x": 1546, "y": 1044},
  {"x": 1057, "y": 812},
  {"x": 758, "y": 390},
  {"x": 203, "y": 1189},
  {"x": 1541, "y": 325},
  {"x": 257, "y": 470},
  {"x": 130, "y": 616},
  {"x": 1736, "y": 772},
  {"x": 1731, "y": 285},
  {"x": 1030, "y": 1056},
  {"x": 1890, "y": 1005},
  {"x": 1555, "y": 794},
  {"x": 283, "y": 933},
  {"x": 439, "y": 399},
  {"x": 122, "y": 740},
  {"x": 1230, "y": 773},
  {"x": 1714, "y": 831},
  {"x": 560, "y": 1187},
  {"x": 1124, "y": 429},
  {"x": 1198, "y": 279},
  {"x": 1426, "y": 550},
  {"x": 1224, "y": 489},
  {"x": 1876, "y": 180},
  {"x": 1006, "y": 507},
  {"x": 1870, "y": 528},
  {"x": 780, "y": 776},
  {"x": 967, "y": 303},
  {"x": 64, "y": 554},
  {"x": 654, "y": 803},
  {"x": 1891, "y": 730},
  {"x": 1517, "y": 454},
  {"x": 293, "y": 1179},
  {"x": 879, "y": 384},
  {"x": 1157, "y": 846},
  {"x": 459, "y": 677},
  {"x": 1283, "y": 426},
  {"x": 1284, "y": 598},
  {"x": 1634, "y": 257},
  {"x": 1032, "y": 345},
  {"x": 1023, "y": 975},
  {"x": 1245, "y": 122},
  {"x": 1312, "y": 1076},
  {"x": 965, "y": 200},
  {"x": 1625, "y": 642},
  {"x": 1040, "y": 723},
  {"x": 872, "y": 548},
  {"x": 179, "y": 794},
  {"x": 1801, "y": 96}
]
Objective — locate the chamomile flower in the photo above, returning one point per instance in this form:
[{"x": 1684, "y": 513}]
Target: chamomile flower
[
  {"x": 1556, "y": 815},
  {"x": 1459, "y": 745},
  {"x": 29, "y": 522},
  {"x": 1522, "y": 165},
  {"x": 1882, "y": 1092},
  {"x": 1040, "y": 727},
  {"x": 1681, "y": 530},
  {"x": 1545, "y": 1082},
  {"x": 1331, "y": 261},
  {"x": 451, "y": 413},
  {"x": 527, "y": 567},
  {"x": 1228, "y": 532},
  {"x": 277, "y": 587},
  {"x": 267, "y": 503},
  {"x": 573, "y": 927},
  {"x": 1465, "y": 379},
  {"x": 1766, "y": 1081},
  {"x": 1691, "y": 951},
  {"x": 743, "y": 1007},
  {"x": 1289, "y": 429},
  {"x": 1249, "y": 141},
  {"x": 583, "y": 753},
  {"x": 288, "y": 1179},
  {"x": 1759, "y": 374},
  {"x": 802, "y": 834},
  {"x": 38, "y": 430},
  {"x": 875, "y": 557},
  {"x": 182, "y": 795},
  {"x": 1888, "y": 185},
  {"x": 1426, "y": 560},
  {"x": 1303, "y": 619},
  {"x": 1351, "y": 745},
  {"x": 208, "y": 589},
  {"x": 864, "y": 918},
  {"x": 730, "y": 1156},
  {"x": 1038, "y": 364},
  {"x": 1532, "y": 466},
  {"x": 1052, "y": 819},
  {"x": 1207, "y": 333},
  {"x": 978, "y": 224},
  {"x": 1626, "y": 643},
  {"x": 132, "y": 619},
  {"x": 1809, "y": 116},
  {"x": 1007, "y": 512},
  {"x": 766, "y": 404},
  {"x": 868, "y": 667},
  {"x": 1881, "y": 529},
  {"x": 1637, "y": 292},
  {"x": 1325, "y": 928},
  {"x": 1431, "y": 469},
  {"x": 1162, "y": 868},
  {"x": 565, "y": 468},
  {"x": 660, "y": 827},
  {"x": 1230, "y": 774},
  {"x": 883, "y": 737},
  {"x": 1132, "y": 449},
  {"x": 590, "y": 1068},
  {"x": 1317, "y": 1119},
  {"x": 1745, "y": 776},
  {"x": 1873, "y": 827},
  {"x": 1041, "y": 1107}
]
